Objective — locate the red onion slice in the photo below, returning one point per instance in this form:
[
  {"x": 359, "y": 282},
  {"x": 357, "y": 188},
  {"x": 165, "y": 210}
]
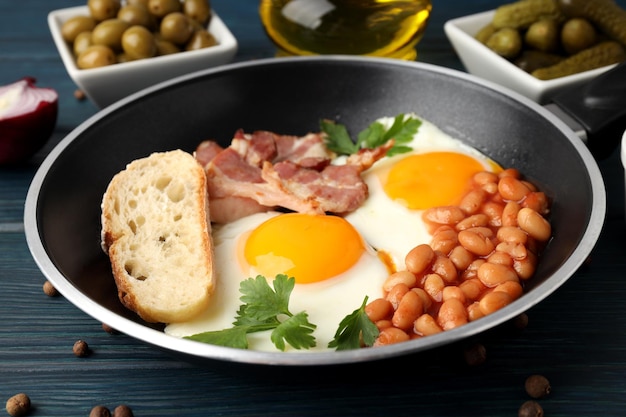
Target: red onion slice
[{"x": 28, "y": 116}]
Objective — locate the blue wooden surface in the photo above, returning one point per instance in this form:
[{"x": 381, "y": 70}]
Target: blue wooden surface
[{"x": 577, "y": 337}]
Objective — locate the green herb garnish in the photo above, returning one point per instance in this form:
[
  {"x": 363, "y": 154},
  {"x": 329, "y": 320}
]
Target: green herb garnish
[
  {"x": 264, "y": 308},
  {"x": 354, "y": 329},
  {"x": 401, "y": 131}
]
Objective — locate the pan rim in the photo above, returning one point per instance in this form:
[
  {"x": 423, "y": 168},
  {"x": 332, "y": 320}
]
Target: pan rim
[{"x": 196, "y": 350}]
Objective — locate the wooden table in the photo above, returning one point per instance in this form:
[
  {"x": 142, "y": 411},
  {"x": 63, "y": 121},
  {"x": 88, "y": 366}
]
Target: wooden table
[{"x": 577, "y": 337}]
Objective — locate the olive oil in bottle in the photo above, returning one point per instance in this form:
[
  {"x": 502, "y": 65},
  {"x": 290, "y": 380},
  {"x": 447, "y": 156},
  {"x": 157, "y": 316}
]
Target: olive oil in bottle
[{"x": 384, "y": 28}]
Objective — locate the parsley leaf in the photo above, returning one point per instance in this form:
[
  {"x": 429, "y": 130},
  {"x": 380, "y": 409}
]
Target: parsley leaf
[
  {"x": 264, "y": 309},
  {"x": 243, "y": 319},
  {"x": 296, "y": 331},
  {"x": 402, "y": 131},
  {"x": 234, "y": 337},
  {"x": 371, "y": 137},
  {"x": 337, "y": 138},
  {"x": 354, "y": 329},
  {"x": 261, "y": 301}
]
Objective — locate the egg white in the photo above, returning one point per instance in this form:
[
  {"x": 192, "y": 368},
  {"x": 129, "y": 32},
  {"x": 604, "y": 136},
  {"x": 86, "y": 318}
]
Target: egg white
[
  {"x": 388, "y": 225},
  {"x": 326, "y": 302}
]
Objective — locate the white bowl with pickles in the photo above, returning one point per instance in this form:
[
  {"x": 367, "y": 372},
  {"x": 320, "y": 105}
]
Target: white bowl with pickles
[
  {"x": 513, "y": 68},
  {"x": 104, "y": 70}
]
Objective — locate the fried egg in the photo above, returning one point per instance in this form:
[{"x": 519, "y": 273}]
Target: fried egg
[
  {"x": 337, "y": 261},
  {"x": 333, "y": 266},
  {"x": 435, "y": 173}
]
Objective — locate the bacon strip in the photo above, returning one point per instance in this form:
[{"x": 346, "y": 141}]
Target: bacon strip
[
  {"x": 263, "y": 170},
  {"x": 206, "y": 151}
]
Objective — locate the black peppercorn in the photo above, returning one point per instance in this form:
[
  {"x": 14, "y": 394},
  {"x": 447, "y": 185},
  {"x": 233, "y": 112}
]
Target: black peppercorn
[
  {"x": 18, "y": 405},
  {"x": 122, "y": 411},
  {"x": 81, "y": 348},
  {"x": 521, "y": 321},
  {"x": 109, "y": 329},
  {"x": 530, "y": 409},
  {"x": 537, "y": 386},
  {"x": 100, "y": 411},
  {"x": 49, "y": 289},
  {"x": 475, "y": 355}
]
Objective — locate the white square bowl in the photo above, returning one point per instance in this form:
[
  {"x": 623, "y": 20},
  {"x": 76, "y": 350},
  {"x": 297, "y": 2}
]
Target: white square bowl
[
  {"x": 481, "y": 61},
  {"x": 105, "y": 85}
]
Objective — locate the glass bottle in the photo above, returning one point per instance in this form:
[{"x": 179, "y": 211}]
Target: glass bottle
[{"x": 384, "y": 28}]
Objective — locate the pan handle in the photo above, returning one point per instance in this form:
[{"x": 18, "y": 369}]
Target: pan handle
[{"x": 600, "y": 108}]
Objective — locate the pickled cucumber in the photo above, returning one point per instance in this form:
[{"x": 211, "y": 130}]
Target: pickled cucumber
[
  {"x": 506, "y": 42},
  {"x": 532, "y": 60},
  {"x": 555, "y": 38},
  {"x": 485, "y": 33},
  {"x": 523, "y": 13},
  {"x": 609, "y": 17},
  {"x": 577, "y": 34},
  {"x": 600, "y": 55},
  {"x": 543, "y": 35}
]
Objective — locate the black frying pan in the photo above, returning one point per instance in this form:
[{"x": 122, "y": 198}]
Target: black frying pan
[{"x": 291, "y": 95}]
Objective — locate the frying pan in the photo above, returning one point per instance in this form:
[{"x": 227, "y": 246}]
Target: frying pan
[{"x": 290, "y": 96}]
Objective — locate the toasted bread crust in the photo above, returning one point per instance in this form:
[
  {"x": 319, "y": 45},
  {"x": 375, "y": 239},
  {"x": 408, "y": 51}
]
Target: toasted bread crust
[{"x": 156, "y": 231}]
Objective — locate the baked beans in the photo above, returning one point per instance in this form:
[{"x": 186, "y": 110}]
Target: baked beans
[
  {"x": 452, "y": 313},
  {"x": 409, "y": 309},
  {"x": 461, "y": 257},
  {"x": 425, "y": 325},
  {"x": 444, "y": 239},
  {"x": 473, "y": 200},
  {"x": 534, "y": 224},
  {"x": 509, "y": 214},
  {"x": 394, "y": 296},
  {"x": 481, "y": 253},
  {"x": 379, "y": 309},
  {"x": 419, "y": 258},
  {"x": 400, "y": 277},
  {"x": 391, "y": 335}
]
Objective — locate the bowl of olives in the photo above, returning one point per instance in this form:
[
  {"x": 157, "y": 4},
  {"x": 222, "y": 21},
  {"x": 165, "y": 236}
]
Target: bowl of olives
[
  {"x": 540, "y": 47},
  {"x": 113, "y": 48}
]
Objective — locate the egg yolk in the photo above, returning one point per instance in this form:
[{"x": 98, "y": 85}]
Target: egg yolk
[
  {"x": 310, "y": 248},
  {"x": 431, "y": 179}
]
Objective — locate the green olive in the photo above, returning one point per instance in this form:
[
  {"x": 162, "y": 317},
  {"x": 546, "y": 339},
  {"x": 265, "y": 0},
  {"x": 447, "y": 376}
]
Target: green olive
[
  {"x": 109, "y": 33},
  {"x": 577, "y": 34},
  {"x": 135, "y": 15},
  {"x": 123, "y": 57},
  {"x": 176, "y": 28},
  {"x": 138, "y": 43},
  {"x": 198, "y": 10},
  {"x": 96, "y": 56},
  {"x": 166, "y": 47},
  {"x": 200, "y": 39},
  {"x": 137, "y": 3},
  {"x": 160, "y": 8},
  {"x": 543, "y": 35},
  {"x": 75, "y": 25},
  {"x": 82, "y": 42},
  {"x": 118, "y": 31},
  {"x": 103, "y": 9},
  {"x": 196, "y": 25}
]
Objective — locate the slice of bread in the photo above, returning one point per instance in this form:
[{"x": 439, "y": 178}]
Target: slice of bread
[{"x": 157, "y": 233}]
